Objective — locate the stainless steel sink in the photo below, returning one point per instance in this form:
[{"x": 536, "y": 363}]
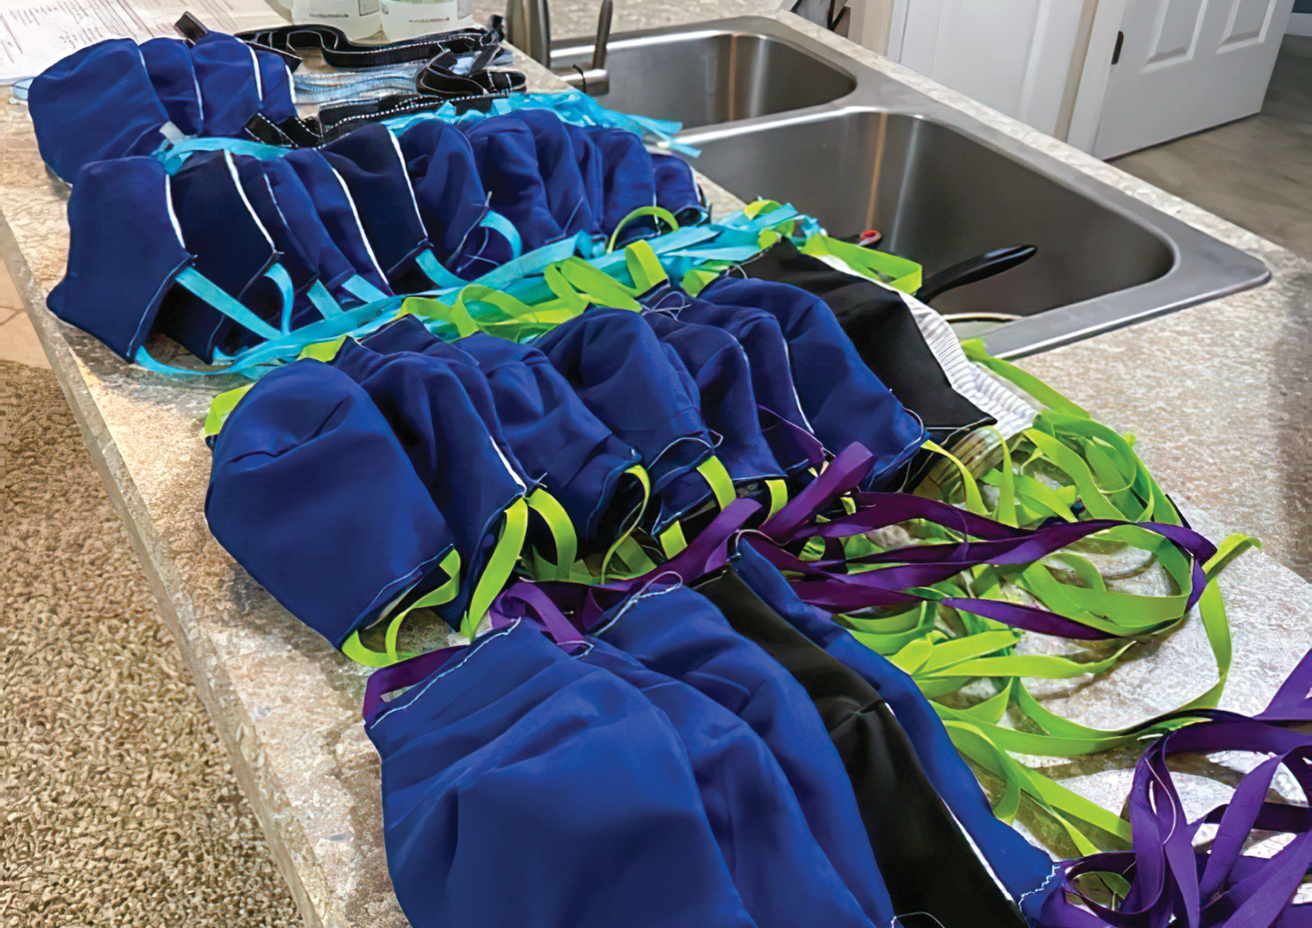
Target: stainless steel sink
[
  {"x": 940, "y": 185},
  {"x": 709, "y": 76}
]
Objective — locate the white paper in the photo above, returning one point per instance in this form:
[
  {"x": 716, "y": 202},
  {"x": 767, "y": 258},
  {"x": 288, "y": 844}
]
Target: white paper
[{"x": 34, "y": 34}]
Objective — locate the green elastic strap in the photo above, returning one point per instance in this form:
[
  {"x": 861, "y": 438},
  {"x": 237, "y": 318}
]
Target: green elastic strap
[
  {"x": 500, "y": 565},
  {"x": 974, "y": 501},
  {"x": 672, "y": 540},
  {"x": 323, "y": 351},
  {"x": 562, "y": 534},
  {"x": 1032, "y": 385},
  {"x": 721, "y": 484},
  {"x": 222, "y": 406},
  {"x": 697, "y": 278},
  {"x": 630, "y": 551},
  {"x": 664, "y": 215},
  {"x": 635, "y": 560},
  {"x": 644, "y": 266},
  {"x": 778, "y": 490},
  {"x": 899, "y": 273},
  {"x": 356, "y": 650},
  {"x": 599, "y": 287}
]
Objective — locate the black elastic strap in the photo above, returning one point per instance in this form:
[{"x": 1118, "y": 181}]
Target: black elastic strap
[{"x": 340, "y": 52}]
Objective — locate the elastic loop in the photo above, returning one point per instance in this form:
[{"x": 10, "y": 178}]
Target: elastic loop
[
  {"x": 222, "y": 406},
  {"x": 644, "y": 267},
  {"x": 561, "y": 528},
  {"x": 278, "y": 274},
  {"x": 655, "y": 211},
  {"x": 638, "y": 473},
  {"x": 500, "y": 565},
  {"x": 717, "y": 477},
  {"x": 323, "y": 300},
  {"x": 219, "y": 298}
]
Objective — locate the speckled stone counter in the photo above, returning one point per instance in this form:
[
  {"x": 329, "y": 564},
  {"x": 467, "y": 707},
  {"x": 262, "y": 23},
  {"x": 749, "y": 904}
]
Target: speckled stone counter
[{"x": 1217, "y": 396}]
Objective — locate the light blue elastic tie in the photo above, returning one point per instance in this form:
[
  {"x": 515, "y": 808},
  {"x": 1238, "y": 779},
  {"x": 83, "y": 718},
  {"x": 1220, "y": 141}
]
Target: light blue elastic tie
[
  {"x": 433, "y": 268},
  {"x": 323, "y": 300},
  {"x": 278, "y": 274},
  {"x": 212, "y": 294},
  {"x": 362, "y": 290},
  {"x": 504, "y": 227}
]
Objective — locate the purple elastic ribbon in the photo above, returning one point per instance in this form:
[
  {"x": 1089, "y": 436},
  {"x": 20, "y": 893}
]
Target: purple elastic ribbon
[
  {"x": 1171, "y": 882},
  {"x": 399, "y": 676}
]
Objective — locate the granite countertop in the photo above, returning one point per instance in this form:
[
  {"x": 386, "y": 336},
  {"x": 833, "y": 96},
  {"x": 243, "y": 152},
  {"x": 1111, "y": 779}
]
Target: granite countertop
[{"x": 1218, "y": 396}]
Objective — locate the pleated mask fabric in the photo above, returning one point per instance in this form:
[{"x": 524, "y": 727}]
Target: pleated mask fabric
[
  {"x": 787, "y": 430},
  {"x": 933, "y": 874},
  {"x": 844, "y": 400},
  {"x": 780, "y": 872},
  {"x": 884, "y": 332},
  {"x": 677, "y": 190},
  {"x": 95, "y": 104},
  {"x": 629, "y": 181},
  {"x": 369, "y": 160},
  {"x": 1025, "y": 871},
  {"x": 455, "y": 457},
  {"x": 643, "y": 393},
  {"x": 312, "y": 493},
  {"x": 719, "y": 367},
  {"x": 679, "y": 633},
  {"x": 514, "y": 757}
]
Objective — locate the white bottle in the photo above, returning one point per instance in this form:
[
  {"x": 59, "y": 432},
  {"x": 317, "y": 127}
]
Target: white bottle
[
  {"x": 405, "y": 19},
  {"x": 357, "y": 18}
]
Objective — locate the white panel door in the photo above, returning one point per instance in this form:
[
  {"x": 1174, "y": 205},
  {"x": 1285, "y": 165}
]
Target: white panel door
[
  {"x": 1015, "y": 56},
  {"x": 1186, "y": 65}
]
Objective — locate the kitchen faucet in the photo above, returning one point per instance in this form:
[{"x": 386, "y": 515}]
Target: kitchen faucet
[{"x": 528, "y": 28}]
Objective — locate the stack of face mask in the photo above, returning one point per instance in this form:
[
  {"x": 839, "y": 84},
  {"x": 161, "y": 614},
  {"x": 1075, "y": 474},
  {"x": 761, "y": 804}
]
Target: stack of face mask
[{"x": 232, "y": 250}]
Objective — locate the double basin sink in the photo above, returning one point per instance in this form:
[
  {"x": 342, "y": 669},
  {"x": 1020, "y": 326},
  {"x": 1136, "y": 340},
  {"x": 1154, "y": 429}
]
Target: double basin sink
[{"x": 780, "y": 115}]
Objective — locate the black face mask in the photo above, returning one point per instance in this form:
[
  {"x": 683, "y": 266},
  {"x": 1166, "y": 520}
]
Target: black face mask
[
  {"x": 933, "y": 875},
  {"x": 885, "y": 334}
]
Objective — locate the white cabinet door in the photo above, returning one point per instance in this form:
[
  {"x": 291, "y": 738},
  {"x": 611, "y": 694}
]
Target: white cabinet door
[
  {"x": 1186, "y": 65},
  {"x": 1014, "y": 55}
]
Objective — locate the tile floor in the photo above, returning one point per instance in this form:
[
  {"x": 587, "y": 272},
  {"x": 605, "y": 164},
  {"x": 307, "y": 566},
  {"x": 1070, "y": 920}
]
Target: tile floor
[{"x": 1256, "y": 172}]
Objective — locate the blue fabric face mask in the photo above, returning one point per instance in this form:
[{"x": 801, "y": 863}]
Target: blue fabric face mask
[
  {"x": 441, "y": 166},
  {"x": 643, "y": 393},
  {"x": 408, "y": 334},
  {"x": 1021, "y": 867},
  {"x": 558, "y": 166},
  {"x": 560, "y": 441},
  {"x": 513, "y": 737},
  {"x": 719, "y": 366},
  {"x": 678, "y": 633},
  {"x": 126, "y": 254},
  {"x": 785, "y": 426},
  {"x": 630, "y": 180},
  {"x": 677, "y": 190},
  {"x": 94, "y": 104},
  {"x": 337, "y": 211},
  {"x": 228, "y": 74},
  {"x": 311, "y": 492},
  {"x": 449, "y": 447},
  {"x": 369, "y": 160},
  {"x": 780, "y": 872},
  {"x": 168, "y": 63},
  {"x": 506, "y": 154},
  {"x": 232, "y": 248},
  {"x": 309, "y": 237},
  {"x": 843, "y": 399}
]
